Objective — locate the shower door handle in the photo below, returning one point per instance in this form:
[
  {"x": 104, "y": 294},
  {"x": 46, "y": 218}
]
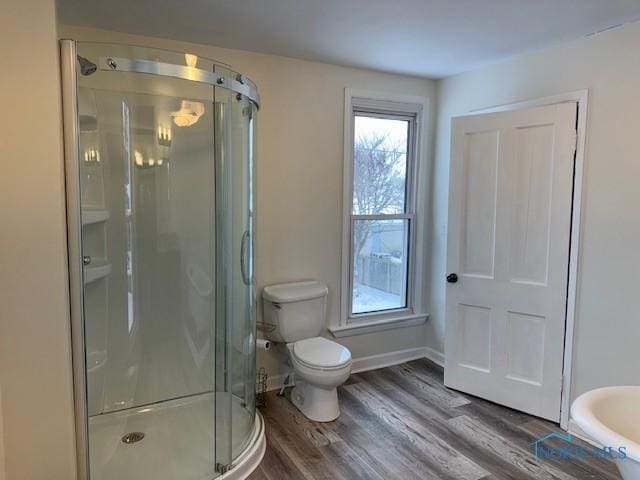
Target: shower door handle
[{"x": 244, "y": 245}]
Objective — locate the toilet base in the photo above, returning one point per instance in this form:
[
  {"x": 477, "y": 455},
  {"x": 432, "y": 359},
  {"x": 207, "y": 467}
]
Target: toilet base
[{"x": 317, "y": 404}]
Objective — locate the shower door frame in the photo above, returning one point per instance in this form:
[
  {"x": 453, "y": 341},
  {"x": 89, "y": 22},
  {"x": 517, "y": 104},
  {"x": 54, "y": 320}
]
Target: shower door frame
[
  {"x": 237, "y": 84},
  {"x": 74, "y": 249}
]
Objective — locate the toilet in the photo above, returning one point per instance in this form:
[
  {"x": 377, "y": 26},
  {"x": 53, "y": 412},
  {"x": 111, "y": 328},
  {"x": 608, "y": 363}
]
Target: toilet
[{"x": 294, "y": 314}]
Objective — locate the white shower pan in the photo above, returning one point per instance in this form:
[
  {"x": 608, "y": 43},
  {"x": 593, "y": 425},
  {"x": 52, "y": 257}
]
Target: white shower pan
[{"x": 181, "y": 426}]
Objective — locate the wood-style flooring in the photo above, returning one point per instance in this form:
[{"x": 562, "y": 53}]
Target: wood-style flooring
[{"x": 401, "y": 422}]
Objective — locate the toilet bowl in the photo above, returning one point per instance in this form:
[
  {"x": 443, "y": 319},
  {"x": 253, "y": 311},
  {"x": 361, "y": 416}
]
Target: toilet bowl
[
  {"x": 320, "y": 366},
  {"x": 295, "y": 316}
]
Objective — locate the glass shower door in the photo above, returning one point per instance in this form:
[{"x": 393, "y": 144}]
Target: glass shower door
[
  {"x": 243, "y": 355},
  {"x": 236, "y": 303},
  {"x": 147, "y": 193}
]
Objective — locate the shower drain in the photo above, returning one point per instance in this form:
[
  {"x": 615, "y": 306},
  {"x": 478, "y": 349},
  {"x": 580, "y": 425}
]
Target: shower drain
[{"x": 132, "y": 437}]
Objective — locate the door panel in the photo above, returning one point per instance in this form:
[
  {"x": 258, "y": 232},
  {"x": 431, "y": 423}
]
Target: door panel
[
  {"x": 511, "y": 186},
  {"x": 530, "y": 214},
  {"x": 480, "y": 177},
  {"x": 525, "y": 347},
  {"x": 475, "y": 337}
]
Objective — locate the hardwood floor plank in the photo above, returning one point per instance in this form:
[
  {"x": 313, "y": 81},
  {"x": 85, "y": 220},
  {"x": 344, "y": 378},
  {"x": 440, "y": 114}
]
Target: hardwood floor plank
[
  {"x": 431, "y": 385},
  {"x": 338, "y": 458},
  {"x": 276, "y": 464},
  {"x": 383, "y": 443},
  {"x": 433, "y": 374},
  {"x": 522, "y": 459},
  {"x": 442, "y": 458},
  {"x": 375, "y": 452},
  {"x": 352, "y": 465},
  {"x": 319, "y": 434},
  {"x": 593, "y": 468},
  {"x": 391, "y": 381},
  {"x": 401, "y": 422},
  {"x": 514, "y": 432},
  {"x": 421, "y": 414},
  {"x": 304, "y": 455},
  {"x": 488, "y": 410}
]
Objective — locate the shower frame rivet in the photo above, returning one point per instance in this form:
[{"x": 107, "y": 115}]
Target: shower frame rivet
[{"x": 220, "y": 81}]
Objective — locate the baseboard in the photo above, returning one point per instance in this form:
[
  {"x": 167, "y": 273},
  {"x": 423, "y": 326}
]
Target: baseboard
[
  {"x": 435, "y": 356},
  {"x": 372, "y": 362},
  {"x": 388, "y": 359}
]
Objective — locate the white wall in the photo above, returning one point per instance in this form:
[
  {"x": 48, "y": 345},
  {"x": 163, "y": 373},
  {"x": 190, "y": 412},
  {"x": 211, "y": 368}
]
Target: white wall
[
  {"x": 300, "y": 142},
  {"x": 3, "y": 473},
  {"x": 35, "y": 365},
  {"x": 607, "y": 326}
]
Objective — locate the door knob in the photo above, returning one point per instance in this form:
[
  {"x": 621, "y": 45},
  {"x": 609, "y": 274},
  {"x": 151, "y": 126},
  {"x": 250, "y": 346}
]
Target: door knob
[{"x": 452, "y": 278}]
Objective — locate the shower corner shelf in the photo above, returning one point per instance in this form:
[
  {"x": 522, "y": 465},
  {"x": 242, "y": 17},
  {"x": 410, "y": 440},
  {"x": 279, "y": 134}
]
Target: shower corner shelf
[
  {"x": 96, "y": 272},
  {"x": 94, "y": 215}
]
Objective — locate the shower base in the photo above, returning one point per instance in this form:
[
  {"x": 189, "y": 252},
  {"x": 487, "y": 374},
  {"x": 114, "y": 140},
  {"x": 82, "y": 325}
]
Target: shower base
[{"x": 178, "y": 441}]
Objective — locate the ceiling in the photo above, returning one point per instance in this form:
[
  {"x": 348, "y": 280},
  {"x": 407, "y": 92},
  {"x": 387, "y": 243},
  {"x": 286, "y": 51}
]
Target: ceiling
[{"x": 431, "y": 38}]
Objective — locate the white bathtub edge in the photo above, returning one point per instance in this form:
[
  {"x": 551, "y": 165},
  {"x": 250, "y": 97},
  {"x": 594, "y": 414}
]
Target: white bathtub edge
[{"x": 575, "y": 430}]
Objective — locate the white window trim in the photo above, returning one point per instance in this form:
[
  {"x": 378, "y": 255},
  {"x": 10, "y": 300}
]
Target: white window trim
[{"x": 415, "y": 314}]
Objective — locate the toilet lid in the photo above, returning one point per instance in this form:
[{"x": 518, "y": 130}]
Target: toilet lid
[{"x": 319, "y": 352}]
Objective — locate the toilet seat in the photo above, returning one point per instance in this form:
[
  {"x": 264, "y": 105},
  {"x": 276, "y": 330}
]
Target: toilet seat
[{"x": 319, "y": 353}]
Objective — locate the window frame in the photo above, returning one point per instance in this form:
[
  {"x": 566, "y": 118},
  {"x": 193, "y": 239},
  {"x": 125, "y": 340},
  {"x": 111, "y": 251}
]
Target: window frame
[
  {"x": 396, "y": 107},
  {"x": 408, "y": 215}
]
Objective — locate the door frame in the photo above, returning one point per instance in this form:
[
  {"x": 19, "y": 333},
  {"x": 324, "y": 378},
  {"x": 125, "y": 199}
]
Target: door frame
[{"x": 581, "y": 97}]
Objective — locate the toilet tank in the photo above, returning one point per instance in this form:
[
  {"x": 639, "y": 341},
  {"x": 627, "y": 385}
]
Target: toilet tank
[{"x": 294, "y": 311}]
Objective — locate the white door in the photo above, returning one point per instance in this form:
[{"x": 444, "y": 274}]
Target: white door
[{"x": 511, "y": 185}]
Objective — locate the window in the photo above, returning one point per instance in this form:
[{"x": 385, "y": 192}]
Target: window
[
  {"x": 381, "y": 241},
  {"x": 381, "y": 213}
]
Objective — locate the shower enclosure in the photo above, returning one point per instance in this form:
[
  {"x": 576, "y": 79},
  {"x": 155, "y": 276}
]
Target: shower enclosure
[{"x": 160, "y": 164}]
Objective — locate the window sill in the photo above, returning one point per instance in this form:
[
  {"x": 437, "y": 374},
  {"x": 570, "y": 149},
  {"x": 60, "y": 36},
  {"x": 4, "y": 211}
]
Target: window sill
[{"x": 364, "y": 327}]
